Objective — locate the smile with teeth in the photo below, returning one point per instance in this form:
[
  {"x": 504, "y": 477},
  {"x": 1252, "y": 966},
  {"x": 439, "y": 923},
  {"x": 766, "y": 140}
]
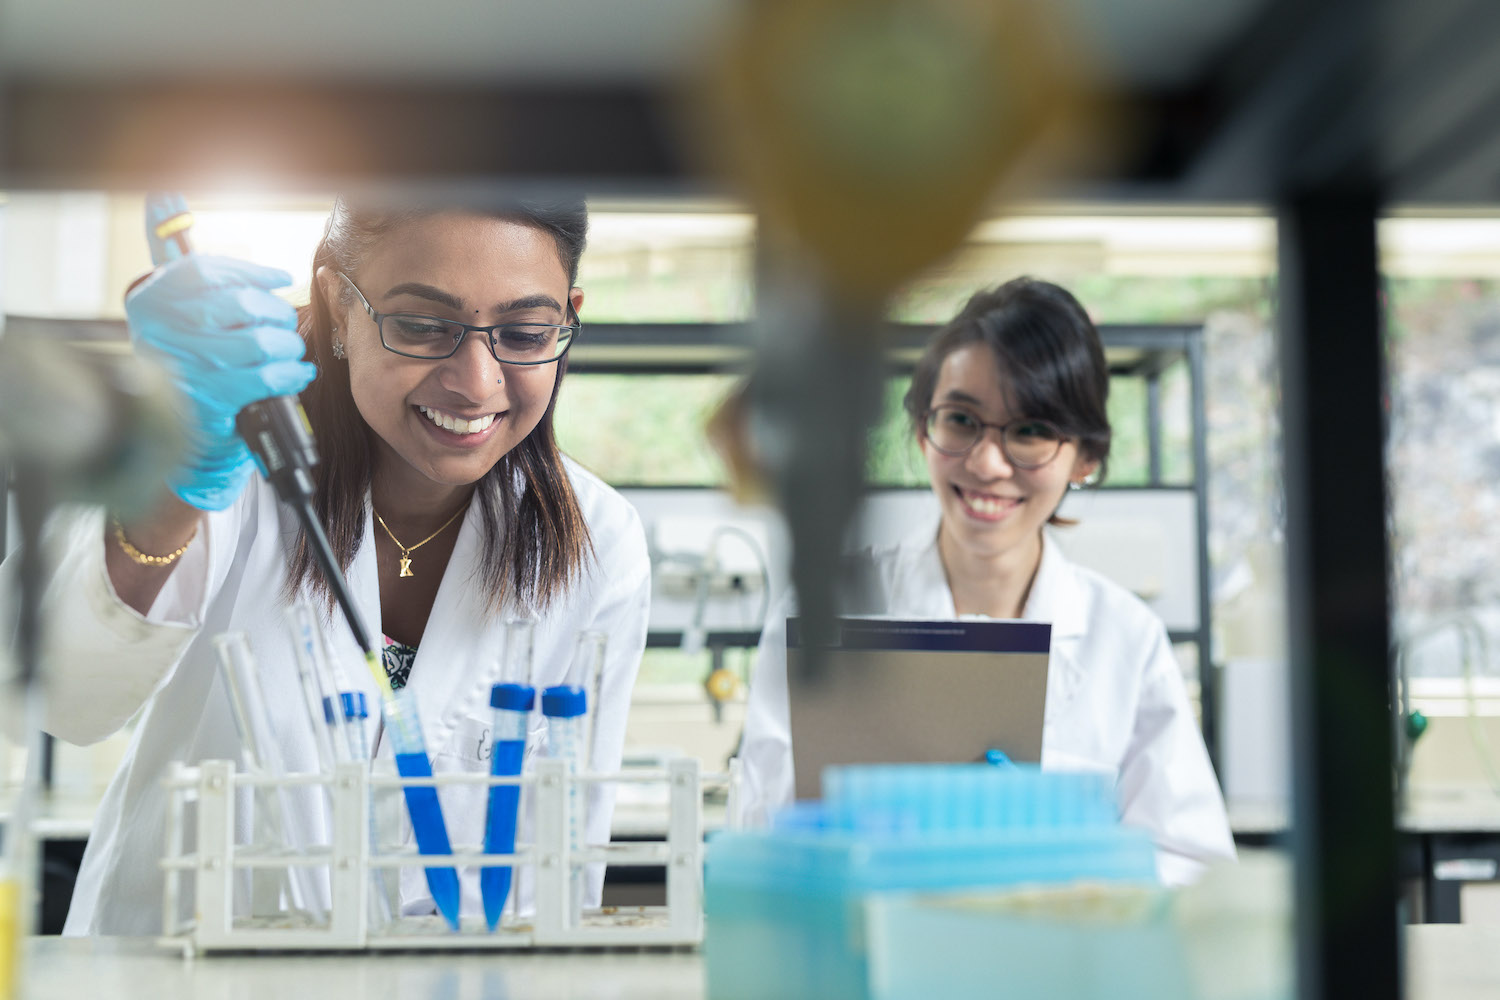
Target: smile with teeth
[
  {"x": 984, "y": 503},
  {"x": 457, "y": 425}
]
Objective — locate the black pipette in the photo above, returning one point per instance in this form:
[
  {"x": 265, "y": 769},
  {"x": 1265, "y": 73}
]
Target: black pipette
[{"x": 278, "y": 434}]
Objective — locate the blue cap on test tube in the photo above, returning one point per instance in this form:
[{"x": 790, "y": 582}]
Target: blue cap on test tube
[
  {"x": 352, "y": 703},
  {"x": 513, "y": 697},
  {"x": 571, "y": 698},
  {"x": 563, "y": 702}
]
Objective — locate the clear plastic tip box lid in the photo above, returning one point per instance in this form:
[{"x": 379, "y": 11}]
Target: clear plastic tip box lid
[
  {"x": 931, "y": 826},
  {"x": 929, "y": 798}
]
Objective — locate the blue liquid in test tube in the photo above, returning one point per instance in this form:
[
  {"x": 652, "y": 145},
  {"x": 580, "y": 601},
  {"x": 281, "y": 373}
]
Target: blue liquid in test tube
[
  {"x": 405, "y": 731},
  {"x": 512, "y": 700}
]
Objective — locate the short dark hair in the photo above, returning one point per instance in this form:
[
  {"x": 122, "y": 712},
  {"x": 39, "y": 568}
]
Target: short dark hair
[{"x": 1049, "y": 352}]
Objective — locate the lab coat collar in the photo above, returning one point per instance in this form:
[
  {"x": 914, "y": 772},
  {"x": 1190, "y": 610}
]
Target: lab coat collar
[
  {"x": 1056, "y": 594},
  {"x": 921, "y": 583},
  {"x": 459, "y": 656}
]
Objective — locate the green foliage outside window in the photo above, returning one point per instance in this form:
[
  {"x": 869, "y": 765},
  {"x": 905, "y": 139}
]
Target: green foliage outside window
[
  {"x": 642, "y": 430},
  {"x": 636, "y": 430}
]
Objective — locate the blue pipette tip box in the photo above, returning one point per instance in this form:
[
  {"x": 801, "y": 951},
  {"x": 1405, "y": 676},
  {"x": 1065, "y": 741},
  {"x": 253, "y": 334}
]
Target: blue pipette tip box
[{"x": 783, "y": 905}]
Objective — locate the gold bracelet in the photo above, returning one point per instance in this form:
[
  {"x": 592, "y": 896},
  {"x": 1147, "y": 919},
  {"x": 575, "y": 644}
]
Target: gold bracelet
[{"x": 140, "y": 558}]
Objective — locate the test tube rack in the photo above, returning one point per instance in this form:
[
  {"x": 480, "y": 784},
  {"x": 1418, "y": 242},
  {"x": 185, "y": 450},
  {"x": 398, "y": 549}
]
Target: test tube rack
[{"x": 216, "y": 860}]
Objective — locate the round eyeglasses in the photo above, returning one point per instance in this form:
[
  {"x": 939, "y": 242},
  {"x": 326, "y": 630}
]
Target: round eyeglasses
[
  {"x": 432, "y": 338},
  {"x": 1026, "y": 443}
]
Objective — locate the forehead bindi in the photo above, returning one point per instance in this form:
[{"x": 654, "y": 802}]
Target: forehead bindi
[{"x": 480, "y": 260}]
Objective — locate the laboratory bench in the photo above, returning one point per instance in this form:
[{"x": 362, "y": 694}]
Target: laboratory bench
[
  {"x": 63, "y": 823},
  {"x": 1447, "y": 838},
  {"x": 1444, "y": 962}
]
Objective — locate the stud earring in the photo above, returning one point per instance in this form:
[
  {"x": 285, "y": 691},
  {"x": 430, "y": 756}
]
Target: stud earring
[{"x": 1075, "y": 485}]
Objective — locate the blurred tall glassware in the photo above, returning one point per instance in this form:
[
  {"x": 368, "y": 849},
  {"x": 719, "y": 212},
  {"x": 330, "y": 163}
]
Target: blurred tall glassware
[
  {"x": 122, "y": 438},
  {"x": 869, "y": 136}
]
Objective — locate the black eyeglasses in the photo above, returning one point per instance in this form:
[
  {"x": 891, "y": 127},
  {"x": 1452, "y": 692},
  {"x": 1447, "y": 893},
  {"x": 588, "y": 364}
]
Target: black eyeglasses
[
  {"x": 432, "y": 338},
  {"x": 1026, "y": 443}
]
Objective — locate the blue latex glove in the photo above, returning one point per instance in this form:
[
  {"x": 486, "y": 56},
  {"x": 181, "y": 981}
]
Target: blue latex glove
[{"x": 227, "y": 342}]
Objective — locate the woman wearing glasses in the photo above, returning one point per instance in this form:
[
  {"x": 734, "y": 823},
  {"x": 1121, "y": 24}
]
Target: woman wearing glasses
[
  {"x": 437, "y": 343},
  {"x": 1008, "y": 407}
]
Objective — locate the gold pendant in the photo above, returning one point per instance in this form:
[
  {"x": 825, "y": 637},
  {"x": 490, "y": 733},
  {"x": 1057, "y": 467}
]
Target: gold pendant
[{"x": 406, "y": 566}]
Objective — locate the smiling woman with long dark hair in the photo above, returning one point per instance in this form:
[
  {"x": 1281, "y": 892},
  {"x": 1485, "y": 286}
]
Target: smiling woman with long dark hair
[{"x": 429, "y": 361}]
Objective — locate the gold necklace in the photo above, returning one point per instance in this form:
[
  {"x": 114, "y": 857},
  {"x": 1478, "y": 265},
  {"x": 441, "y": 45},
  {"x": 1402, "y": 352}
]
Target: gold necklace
[{"x": 407, "y": 550}]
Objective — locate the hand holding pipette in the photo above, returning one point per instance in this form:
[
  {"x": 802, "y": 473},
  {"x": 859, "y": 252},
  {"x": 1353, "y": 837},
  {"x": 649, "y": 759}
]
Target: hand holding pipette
[{"x": 233, "y": 350}]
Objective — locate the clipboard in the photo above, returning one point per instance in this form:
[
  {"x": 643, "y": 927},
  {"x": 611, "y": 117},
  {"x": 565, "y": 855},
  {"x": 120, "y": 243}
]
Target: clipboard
[{"x": 902, "y": 691}]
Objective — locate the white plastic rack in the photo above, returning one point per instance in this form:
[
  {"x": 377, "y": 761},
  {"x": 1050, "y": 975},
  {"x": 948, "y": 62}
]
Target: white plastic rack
[{"x": 217, "y": 860}]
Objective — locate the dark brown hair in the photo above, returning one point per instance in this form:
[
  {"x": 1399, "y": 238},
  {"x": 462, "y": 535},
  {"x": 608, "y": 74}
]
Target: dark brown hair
[
  {"x": 535, "y": 537},
  {"x": 1049, "y": 354}
]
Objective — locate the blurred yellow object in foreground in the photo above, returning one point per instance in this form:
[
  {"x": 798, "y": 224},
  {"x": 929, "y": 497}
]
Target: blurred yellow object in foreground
[
  {"x": 10, "y": 937},
  {"x": 871, "y": 133}
]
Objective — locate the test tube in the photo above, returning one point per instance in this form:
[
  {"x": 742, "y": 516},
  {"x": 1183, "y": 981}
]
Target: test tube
[
  {"x": 354, "y": 710},
  {"x": 305, "y": 650},
  {"x": 313, "y": 643},
  {"x": 566, "y": 708},
  {"x": 512, "y": 700},
  {"x": 258, "y": 737},
  {"x": 404, "y": 727}
]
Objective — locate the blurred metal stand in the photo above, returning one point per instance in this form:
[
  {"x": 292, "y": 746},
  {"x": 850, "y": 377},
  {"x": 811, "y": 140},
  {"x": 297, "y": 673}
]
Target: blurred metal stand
[
  {"x": 814, "y": 395},
  {"x": 1333, "y": 386}
]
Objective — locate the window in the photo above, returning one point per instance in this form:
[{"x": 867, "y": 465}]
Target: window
[
  {"x": 642, "y": 430},
  {"x": 1442, "y": 316}
]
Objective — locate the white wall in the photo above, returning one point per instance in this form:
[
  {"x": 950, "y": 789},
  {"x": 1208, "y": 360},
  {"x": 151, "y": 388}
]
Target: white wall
[
  {"x": 55, "y": 253},
  {"x": 1145, "y": 540}
]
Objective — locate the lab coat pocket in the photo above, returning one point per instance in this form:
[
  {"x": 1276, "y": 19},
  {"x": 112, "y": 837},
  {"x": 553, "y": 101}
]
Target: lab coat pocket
[
  {"x": 472, "y": 744},
  {"x": 471, "y": 749},
  {"x": 468, "y": 751},
  {"x": 1064, "y": 682}
]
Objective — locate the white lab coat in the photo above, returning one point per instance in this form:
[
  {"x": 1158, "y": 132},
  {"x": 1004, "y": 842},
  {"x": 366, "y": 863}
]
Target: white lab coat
[
  {"x": 1115, "y": 697},
  {"x": 106, "y": 663}
]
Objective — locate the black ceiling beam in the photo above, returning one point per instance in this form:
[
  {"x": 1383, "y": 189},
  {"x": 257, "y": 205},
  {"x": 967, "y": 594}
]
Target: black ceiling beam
[
  {"x": 1444, "y": 110},
  {"x": 1282, "y": 88},
  {"x": 57, "y": 135},
  {"x": 1402, "y": 94}
]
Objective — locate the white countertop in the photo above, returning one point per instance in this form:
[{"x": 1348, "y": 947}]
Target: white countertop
[
  {"x": 139, "y": 969},
  {"x": 1445, "y": 962}
]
